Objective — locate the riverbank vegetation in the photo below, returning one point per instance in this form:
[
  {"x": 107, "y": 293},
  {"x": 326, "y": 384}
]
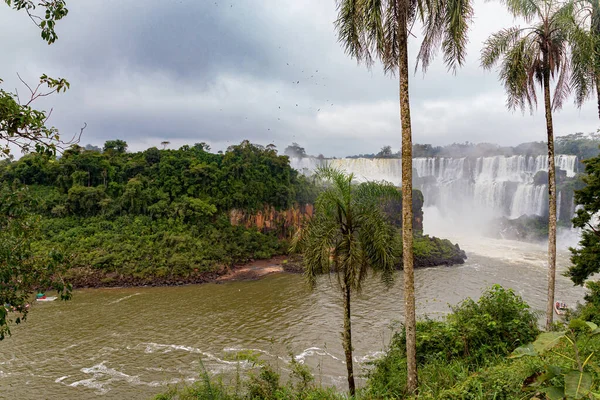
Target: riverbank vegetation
[
  {"x": 158, "y": 214},
  {"x": 484, "y": 349},
  {"x": 172, "y": 216}
]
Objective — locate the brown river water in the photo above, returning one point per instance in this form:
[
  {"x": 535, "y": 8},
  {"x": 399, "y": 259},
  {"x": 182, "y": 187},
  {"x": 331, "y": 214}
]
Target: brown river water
[{"x": 132, "y": 343}]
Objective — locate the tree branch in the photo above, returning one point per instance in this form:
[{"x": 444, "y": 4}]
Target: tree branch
[{"x": 596, "y": 232}]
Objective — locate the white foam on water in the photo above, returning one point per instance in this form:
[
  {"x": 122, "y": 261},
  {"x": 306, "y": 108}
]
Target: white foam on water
[
  {"x": 103, "y": 378},
  {"x": 312, "y": 351},
  {"x": 123, "y": 298},
  {"x": 372, "y": 356},
  {"x": 167, "y": 348}
]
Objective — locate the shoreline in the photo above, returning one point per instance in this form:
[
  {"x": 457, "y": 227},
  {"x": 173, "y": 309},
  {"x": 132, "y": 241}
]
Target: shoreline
[{"x": 86, "y": 278}]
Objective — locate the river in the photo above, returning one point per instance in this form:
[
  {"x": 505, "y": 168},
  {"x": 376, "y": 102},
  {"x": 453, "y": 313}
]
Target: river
[{"x": 133, "y": 342}]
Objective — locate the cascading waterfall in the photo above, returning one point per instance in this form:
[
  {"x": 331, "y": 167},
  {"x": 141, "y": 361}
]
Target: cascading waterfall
[{"x": 496, "y": 186}]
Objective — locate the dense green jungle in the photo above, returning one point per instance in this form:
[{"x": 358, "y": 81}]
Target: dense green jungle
[{"x": 172, "y": 216}]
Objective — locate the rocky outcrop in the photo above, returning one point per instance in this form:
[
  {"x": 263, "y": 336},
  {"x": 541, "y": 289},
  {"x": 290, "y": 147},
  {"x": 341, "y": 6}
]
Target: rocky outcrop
[
  {"x": 286, "y": 222},
  {"x": 526, "y": 227},
  {"x": 433, "y": 251},
  {"x": 283, "y": 222}
]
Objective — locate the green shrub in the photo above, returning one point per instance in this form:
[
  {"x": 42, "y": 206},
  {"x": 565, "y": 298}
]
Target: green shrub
[
  {"x": 501, "y": 381},
  {"x": 590, "y": 311},
  {"x": 474, "y": 335}
]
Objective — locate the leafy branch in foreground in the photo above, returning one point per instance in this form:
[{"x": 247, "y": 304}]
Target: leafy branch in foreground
[
  {"x": 24, "y": 127},
  {"x": 22, "y": 272},
  {"x": 54, "y": 10},
  {"x": 578, "y": 378}
]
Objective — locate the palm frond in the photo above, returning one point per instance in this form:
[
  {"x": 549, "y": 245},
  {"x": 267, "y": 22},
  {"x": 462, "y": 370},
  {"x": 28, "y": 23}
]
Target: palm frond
[
  {"x": 528, "y": 9},
  {"x": 433, "y": 29},
  {"x": 374, "y": 31},
  {"x": 391, "y": 53},
  {"x": 458, "y": 16},
  {"x": 562, "y": 88},
  {"x": 349, "y": 231},
  {"x": 446, "y": 25},
  {"x": 350, "y": 27},
  {"x": 517, "y": 72},
  {"x": 527, "y": 55},
  {"x": 498, "y": 44}
]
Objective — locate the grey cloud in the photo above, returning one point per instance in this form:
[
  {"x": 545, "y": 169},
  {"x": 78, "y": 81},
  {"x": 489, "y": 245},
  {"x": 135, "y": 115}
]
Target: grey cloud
[{"x": 268, "y": 71}]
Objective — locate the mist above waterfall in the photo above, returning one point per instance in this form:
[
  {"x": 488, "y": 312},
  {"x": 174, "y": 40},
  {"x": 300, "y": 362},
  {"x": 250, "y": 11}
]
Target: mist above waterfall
[{"x": 467, "y": 193}]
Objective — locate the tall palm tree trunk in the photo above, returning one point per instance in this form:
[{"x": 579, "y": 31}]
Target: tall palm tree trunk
[
  {"x": 598, "y": 93},
  {"x": 595, "y": 28},
  {"x": 348, "y": 339},
  {"x": 551, "y": 198},
  {"x": 407, "y": 217}
]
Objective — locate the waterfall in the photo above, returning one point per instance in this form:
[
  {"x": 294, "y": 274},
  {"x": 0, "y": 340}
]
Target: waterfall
[{"x": 496, "y": 185}]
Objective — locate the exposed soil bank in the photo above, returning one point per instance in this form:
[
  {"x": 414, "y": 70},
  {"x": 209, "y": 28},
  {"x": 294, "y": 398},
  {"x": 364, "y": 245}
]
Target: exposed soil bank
[
  {"x": 90, "y": 278},
  {"x": 256, "y": 269}
]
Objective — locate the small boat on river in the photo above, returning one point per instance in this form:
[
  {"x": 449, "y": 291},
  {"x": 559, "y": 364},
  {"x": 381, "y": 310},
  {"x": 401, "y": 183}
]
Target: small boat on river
[
  {"x": 42, "y": 297},
  {"x": 47, "y": 298},
  {"x": 560, "y": 308}
]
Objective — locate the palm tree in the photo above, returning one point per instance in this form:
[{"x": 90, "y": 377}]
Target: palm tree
[
  {"x": 529, "y": 56},
  {"x": 585, "y": 55},
  {"x": 348, "y": 234},
  {"x": 379, "y": 29}
]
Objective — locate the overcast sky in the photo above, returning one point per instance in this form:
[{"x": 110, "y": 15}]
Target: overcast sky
[{"x": 270, "y": 71}]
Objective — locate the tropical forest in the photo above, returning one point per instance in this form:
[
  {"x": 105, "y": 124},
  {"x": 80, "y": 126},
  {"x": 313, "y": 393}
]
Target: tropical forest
[{"x": 342, "y": 199}]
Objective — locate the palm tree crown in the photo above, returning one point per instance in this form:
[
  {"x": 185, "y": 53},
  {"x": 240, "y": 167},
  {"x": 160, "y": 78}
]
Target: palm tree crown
[
  {"x": 349, "y": 232},
  {"x": 369, "y": 30},
  {"x": 585, "y": 43},
  {"x": 527, "y": 53}
]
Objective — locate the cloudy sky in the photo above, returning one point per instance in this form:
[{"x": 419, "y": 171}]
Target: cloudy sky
[{"x": 270, "y": 71}]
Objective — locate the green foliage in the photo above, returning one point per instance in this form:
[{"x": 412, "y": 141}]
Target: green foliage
[
  {"x": 529, "y": 55},
  {"x": 586, "y": 257},
  {"x": 54, "y": 10},
  {"x": 472, "y": 336},
  {"x": 23, "y": 271},
  {"x": 25, "y": 127},
  {"x": 502, "y": 381},
  {"x": 584, "y": 146},
  {"x": 349, "y": 232},
  {"x": 263, "y": 385},
  {"x": 572, "y": 371},
  {"x": 157, "y": 214},
  {"x": 432, "y": 251},
  {"x": 590, "y": 311}
]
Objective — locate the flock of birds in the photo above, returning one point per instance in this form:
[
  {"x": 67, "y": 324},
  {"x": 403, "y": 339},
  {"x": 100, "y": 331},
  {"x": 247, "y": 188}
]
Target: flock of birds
[{"x": 307, "y": 78}]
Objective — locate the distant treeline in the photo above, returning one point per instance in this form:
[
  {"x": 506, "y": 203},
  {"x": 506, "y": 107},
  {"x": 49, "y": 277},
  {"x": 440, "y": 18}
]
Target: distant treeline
[{"x": 582, "y": 145}]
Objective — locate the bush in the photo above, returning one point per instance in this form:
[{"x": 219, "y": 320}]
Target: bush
[
  {"x": 474, "y": 335},
  {"x": 590, "y": 311}
]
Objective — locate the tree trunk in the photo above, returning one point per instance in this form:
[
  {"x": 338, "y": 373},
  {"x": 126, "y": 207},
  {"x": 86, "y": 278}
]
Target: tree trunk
[
  {"x": 551, "y": 198},
  {"x": 598, "y": 93},
  {"x": 347, "y": 335},
  {"x": 595, "y": 29},
  {"x": 407, "y": 217}
]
